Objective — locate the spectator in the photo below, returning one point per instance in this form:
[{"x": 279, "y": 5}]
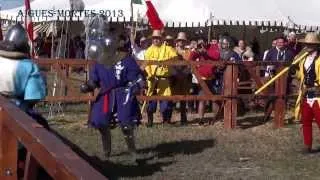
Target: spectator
[
  {"x": 293, "y": 44},
  {"x": 244, "y": 51},
  {"x": 192, "y": 105},
  {"x": 225, "y": 51},
  {"x": 182, "y": 76},
  {"x": 279, "y": 53},
  {"x": 207, "y": 73},
  {"x": 273, "y": 45},
  {"x": 139, "y": 52},
  {"x": 159, "y": 77},
  {"x": 169, "y": 41}
]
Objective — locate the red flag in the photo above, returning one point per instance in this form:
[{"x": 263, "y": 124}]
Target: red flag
[
  {"x": 28, "y": 24},
  {"x": 154, "y": 19}
]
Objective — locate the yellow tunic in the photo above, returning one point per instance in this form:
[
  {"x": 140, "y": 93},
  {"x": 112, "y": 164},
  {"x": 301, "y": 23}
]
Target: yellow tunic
[
  {"x": 162, "y": 53},
  {"x": 300, "y": 76}
]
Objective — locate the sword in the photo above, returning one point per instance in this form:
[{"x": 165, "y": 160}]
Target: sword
[{"x": 129, "y": 91}]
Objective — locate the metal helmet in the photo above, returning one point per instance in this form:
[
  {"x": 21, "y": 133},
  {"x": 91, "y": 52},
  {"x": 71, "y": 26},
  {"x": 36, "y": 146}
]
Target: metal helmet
[
  {"x": 18, "y": 37},
  {"x": 103, "y": 43}
]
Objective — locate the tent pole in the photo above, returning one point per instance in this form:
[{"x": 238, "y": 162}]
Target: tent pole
[
  {"x": 52, "y": 40},
  {"x": 132, "y": 31},
  {"x": 209, "y": 33}
]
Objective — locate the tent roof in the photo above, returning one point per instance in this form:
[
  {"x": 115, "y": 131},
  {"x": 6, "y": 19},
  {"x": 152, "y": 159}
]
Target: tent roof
[{"x": 197, "y": 12}]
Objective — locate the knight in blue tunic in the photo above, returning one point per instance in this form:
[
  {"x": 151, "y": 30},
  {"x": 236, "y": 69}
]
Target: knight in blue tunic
[
  {"x": 20, "y": 79},
  {"x": 119, "y": 78}
]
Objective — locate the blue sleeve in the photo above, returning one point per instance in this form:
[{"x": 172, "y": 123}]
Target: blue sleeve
[
  {"x": 35, "y": 88},
  {"x": 94, "y": 75},
  {"x": 133, "y": 70}
]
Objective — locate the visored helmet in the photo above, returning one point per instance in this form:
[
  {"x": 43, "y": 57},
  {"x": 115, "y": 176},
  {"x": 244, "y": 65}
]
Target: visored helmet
[{"x": 104, "y": 44}]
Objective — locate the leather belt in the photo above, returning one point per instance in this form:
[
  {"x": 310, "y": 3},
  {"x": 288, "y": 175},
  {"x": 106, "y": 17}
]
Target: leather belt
[{"x": 311, "y": 92}]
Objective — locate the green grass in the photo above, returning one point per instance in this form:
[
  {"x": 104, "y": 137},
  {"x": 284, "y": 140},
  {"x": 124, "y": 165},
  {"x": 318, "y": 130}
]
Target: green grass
[{"x": 171, "y": 152}]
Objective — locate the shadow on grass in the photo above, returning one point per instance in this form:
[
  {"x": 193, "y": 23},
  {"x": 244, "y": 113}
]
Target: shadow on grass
[
  {"x": 180, "y": 147},
  {"x": 250, "y": 122},
  {"x": 206, "y": 120},
  {"x": 115, "y": 171}
]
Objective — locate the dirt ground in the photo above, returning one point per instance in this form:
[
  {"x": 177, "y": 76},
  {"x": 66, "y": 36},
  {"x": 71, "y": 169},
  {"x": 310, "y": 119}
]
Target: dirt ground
[{"x": 254, "y": 151}]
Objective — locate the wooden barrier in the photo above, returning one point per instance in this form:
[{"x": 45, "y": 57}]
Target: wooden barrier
[
  {"x": 44, "y": 149},
  {"x": 229, "y": 97}
]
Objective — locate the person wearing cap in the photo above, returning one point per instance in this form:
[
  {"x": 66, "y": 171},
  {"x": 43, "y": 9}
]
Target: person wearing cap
[
  {"x": 182, "y": 74},
  {"x": 159, "y": 76},
  {"x": 139, "y": 51},
  {"x": 169, "y": 41},
  {"x": 308, "y": 72}
]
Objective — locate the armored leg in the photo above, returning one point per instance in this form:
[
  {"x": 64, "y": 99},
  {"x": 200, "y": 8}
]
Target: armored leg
[
  {"x": 128, "y": 132},
  {"x": 166, "y": 111},
  {"x": 183, "y": 113},
  {"x": 106, "y": 141},
  {"x": 150, "y": 119},
  {"x": 152, "y": 107}
]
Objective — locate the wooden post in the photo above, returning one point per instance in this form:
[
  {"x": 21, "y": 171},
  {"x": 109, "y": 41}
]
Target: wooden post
[
  {"x": 90, "y": 94},
  {"x": 280, "y": 104},
  {"x": 31, "y": 168},
  {"x": 230, "y": 90},
  {"x": 8, "y": 151}
]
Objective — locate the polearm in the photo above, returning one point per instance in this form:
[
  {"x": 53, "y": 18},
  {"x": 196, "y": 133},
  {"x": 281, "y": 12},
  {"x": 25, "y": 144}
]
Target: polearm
[
  {"x": 152, "y": 87},
  {"x": 296, "y": 61}
]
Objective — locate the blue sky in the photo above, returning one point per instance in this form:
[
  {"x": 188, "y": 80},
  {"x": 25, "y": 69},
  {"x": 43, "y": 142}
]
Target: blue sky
[{"x": 8, "y": 4}]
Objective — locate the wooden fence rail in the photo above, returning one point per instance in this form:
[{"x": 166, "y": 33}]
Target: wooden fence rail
[
  {"x": 44, "y": 149},
  {"x": 229, "y": 96}
]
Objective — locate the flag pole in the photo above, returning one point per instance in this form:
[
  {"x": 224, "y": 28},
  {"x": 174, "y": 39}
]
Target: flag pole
[
  {"x": 132, "y": 38},
  {"x": 1, "y": 36}
]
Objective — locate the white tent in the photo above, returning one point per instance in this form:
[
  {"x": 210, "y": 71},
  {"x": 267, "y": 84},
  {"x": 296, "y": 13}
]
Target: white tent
[{"x": 194, "y": 12}]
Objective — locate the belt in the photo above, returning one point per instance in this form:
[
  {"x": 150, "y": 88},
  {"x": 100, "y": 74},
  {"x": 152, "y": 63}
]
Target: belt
[
  {"x": 206, "y": 79},
  {"x": 162, "y": 77},
  {"x": 8, "y": 96},
  {"x": 311, "y": 92}
]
